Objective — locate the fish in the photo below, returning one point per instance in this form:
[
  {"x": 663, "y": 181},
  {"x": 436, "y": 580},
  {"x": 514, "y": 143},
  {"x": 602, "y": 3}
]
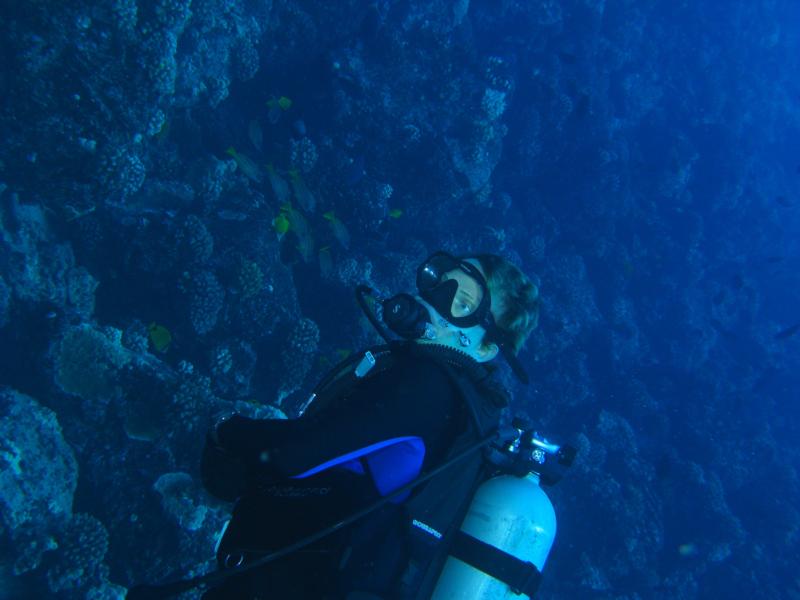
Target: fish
[
  {"x": 256, "y": 135},
  {"x": 299, "y": 225},
  {"x": 325, "y": 262},
  {"x": 302, "y": 194},
  {"x": 274, "y": 114},
  {"x": 247, "y": 166},
  {"x": 339, "y": 230},
  {"x": 279, "y": 185},
  {"x": 788, "y": 332},
  {"x": 277, "y": 107},
  {"x": 281, "y": 225},
  {"x": 395, "y": 213},
  {"x": 160, "y": 337}
]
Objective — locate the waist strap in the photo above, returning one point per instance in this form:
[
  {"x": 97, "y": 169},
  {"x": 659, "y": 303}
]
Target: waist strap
[{"x": 521, "y": 576}]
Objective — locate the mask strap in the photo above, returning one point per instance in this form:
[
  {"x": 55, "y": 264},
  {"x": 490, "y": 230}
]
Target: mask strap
[{"x": 497, "y": 336}]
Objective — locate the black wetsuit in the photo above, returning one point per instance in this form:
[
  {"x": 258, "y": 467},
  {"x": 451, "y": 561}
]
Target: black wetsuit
[{"x": 258, "y": 461}]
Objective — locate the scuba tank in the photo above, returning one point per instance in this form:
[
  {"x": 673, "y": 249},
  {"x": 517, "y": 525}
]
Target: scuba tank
[
  {"x": 509, "y": 528},
  {"x": 510, "y": 514}
]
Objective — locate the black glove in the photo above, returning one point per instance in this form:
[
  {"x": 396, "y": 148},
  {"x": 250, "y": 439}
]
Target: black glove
[{"x": 223, "y": 473}]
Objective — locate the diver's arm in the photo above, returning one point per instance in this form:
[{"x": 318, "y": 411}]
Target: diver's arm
[
  {"x": 232, "y": 453},
  {"x": 223, "y": 474},
  {"x": 413, "y": 400}
]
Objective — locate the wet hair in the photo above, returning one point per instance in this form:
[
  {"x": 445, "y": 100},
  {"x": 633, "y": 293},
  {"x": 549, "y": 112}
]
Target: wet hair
[{"x": 515, "y": 298}]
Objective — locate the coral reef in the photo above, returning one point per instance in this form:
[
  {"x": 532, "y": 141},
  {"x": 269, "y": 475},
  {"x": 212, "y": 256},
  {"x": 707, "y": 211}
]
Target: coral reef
[
  {"x": 182, "y": 500},
  {"x": 636, "y": 156},
  {"x": 86, "y": 362},
  {"x": 39, "y": 471},
  {"x": 232, "y": 367},
  {"x": 298, "y": 355},
  {"x": 194, "y": 240},
  {"x": 205, "y": 298},
  {"x": 249, "y": 279},
  {"x": 193, "y": 403},
  {"x": 5, "y": 301},
  {"x": 78, "y": 560}
]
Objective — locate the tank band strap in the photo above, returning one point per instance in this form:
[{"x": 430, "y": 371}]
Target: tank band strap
[{"x": 521, "y": 576}]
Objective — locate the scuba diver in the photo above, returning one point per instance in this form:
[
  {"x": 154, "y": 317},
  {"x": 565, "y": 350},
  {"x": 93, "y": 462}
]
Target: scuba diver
[{"x": 377, "y": 476}]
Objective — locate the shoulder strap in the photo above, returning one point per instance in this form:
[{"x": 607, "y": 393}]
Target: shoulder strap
[{"x": 341, "y": 378}]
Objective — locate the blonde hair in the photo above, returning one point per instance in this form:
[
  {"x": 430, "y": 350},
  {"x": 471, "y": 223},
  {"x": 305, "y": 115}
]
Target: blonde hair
[{"x": 515, "y": 298}]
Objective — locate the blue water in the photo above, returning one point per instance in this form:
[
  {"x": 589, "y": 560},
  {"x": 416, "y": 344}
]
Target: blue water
[{"x": 640, "y": 160}]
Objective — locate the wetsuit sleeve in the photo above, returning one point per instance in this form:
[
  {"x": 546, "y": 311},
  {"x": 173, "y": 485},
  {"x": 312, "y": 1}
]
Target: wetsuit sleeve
[{"x": 411, "y": 399}]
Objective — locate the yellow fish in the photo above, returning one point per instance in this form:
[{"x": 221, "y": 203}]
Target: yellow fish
[
  {"x": 256, "y": 135},
  {"x": 276, "y": 107},
  {"x": 280, "y": 224},
  {"x": 303, "y": 195},
  {"x": 247, "y": 166},
  {"x": 396, "y": 213},
  {"x": 284, "y": 103},
  {"x": 339, "y": 230},
  {"x": 160, "y": 337},
  {"x": 299, "y": 225},
  {"x": 279, "y": 185}
]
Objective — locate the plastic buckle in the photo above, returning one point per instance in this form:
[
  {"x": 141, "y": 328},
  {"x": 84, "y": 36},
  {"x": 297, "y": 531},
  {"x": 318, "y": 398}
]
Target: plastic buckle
[
  {"x": 230, "y": 564},
  {"x": 366, "y": 364}
]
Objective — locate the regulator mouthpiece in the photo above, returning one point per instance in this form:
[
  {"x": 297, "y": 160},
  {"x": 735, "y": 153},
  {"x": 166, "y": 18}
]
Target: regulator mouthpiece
[{"x": 406, "y": 317}]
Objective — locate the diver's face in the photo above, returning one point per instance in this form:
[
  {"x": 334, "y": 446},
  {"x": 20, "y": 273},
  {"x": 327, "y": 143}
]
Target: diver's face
[
  {"x": 469, "y": 294},
  {"x": 465, "y": 302}
]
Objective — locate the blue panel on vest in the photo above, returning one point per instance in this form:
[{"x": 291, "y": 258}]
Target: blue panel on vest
[
  {"x": 396, "y": 465},
  {"x": 392, "y": 463}
]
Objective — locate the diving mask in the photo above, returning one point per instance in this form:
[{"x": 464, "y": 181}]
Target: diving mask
[{"x": 457, "y": 292}]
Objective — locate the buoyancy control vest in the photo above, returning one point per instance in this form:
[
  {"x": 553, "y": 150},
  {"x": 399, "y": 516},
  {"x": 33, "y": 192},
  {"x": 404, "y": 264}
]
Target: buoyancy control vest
[
  {"x": 433, "y": 512},
  {"x": 441, "y": 503}
]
